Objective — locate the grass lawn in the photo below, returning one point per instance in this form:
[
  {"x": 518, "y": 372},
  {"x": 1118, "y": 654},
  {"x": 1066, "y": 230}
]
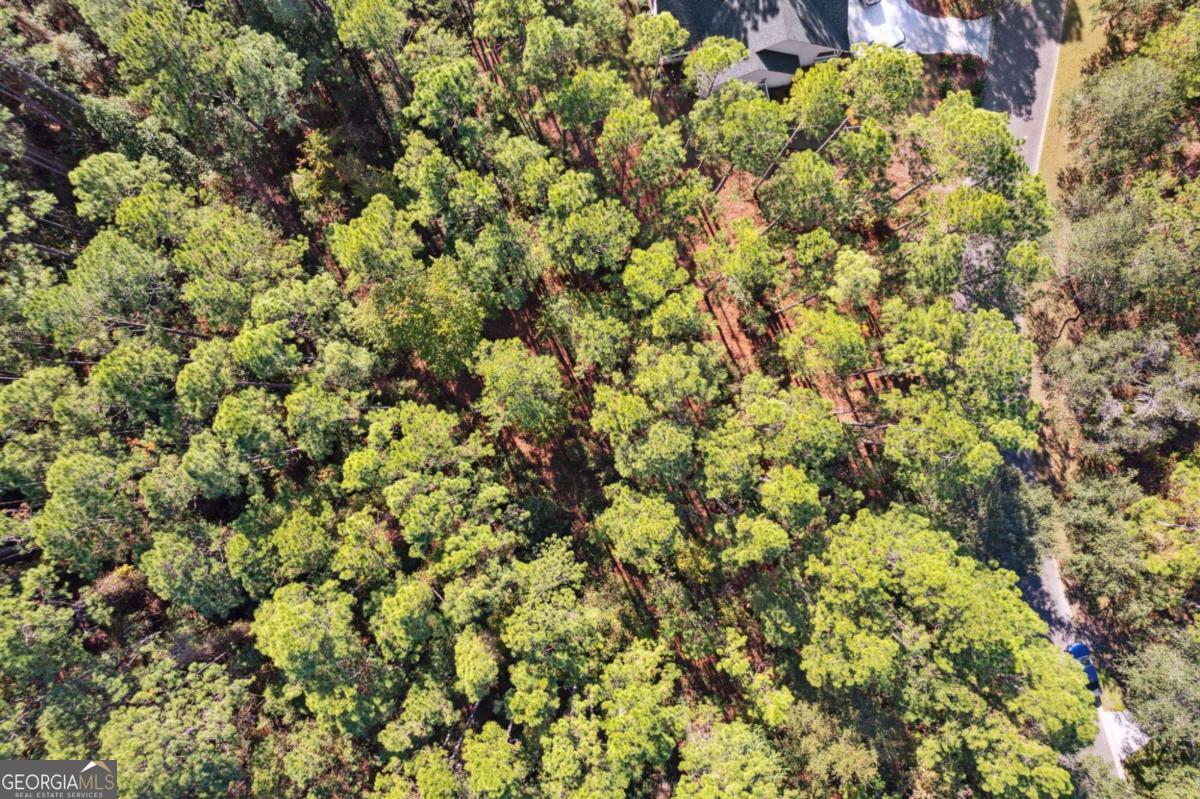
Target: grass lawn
[
  {"x": 1081, "y": 38},
  {"x": 1111, "y": 696}
]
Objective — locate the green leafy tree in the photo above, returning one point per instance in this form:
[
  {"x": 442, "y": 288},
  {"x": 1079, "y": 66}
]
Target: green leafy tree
[
  {"x": 113, "y": 281},
  {"x": 805, "y": 193},
  {"x": 703, "y": 66},
  {"x": 1122, "y": 115},
  {"x": 266, "y": 351},
  {"x": 102, "y": 181},
  {"x": 134, "y": 380},
  {"x": 1006, "y": 700},
  {"x": 405, "y": 619},
  {"x": 475, "y": 666},
  {"x": 180, "y": 569},
  {"x": 622, "y": 730},
  {"x": 247, "y": 424},
  {"x": 1162, "y": 694},
  {"x": 89, "y": 520},
  {"x": 651, "y": 274},
  {"x": 551, "y": 45},
  {"x": 588, "y": 97},
  {"x": 178, "y": 733},
  {"x": 494, "y": 766},
  {"x": 505, "y": 18},
  {"x": 654, "y": 37},
  {"x": 738, "y": 126},
  {"x": 643, "y": 530},
  {"x": 1130, "y": 557},
  {"x": 205, "y": 379},
  {"x": 426, "y": 710},
  {"x": 434, "y": 776},
  {"x": 730, "y": 759},
  {"x": 320, "y": 420},
  {"x": 644, "y": 448},
  {"x": 407, "y": 304},
  {"x": 520, "y": 390},
  {"x": 206, "y": 78},
  {"x": 678, "y": 375},
  {"x": 308, "y": 633},
  {"x": 1129, "y": 389},
  {"x": 749, "y": 265},
  {"x": 865, "y": 155},
  {"x": 309, "y": 759},
  {"x": 365, "y": 554},
  {"x": 882, "y": 81},
  {"x": 229, "y": 257},
  {"x": 855, "y": 279},
  {"x": 980, "y": 358},
  {"x": 818, "y": 98},
  {"x": 972, "y": 142},
  {"x": 754, "y": 540},
  {"x": 939, "y": 454},
  {"x": 166, "y": 490},
  {"x": 503, "y": 262},
  {"x": 445, "y": 96},
  {"x": 31, "y": 432},
  {"x": 555, "y": 636},
  {"x": 586, "y": 236},
  {"x": 303, "y": 542},
  {"x": 825, "y": 342},
  {"x": 39, "y": 644},
  {"x": 637, "y": 153}
]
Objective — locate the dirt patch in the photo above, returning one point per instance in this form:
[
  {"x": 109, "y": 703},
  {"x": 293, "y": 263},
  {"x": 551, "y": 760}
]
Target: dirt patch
[
  {"x": 945, "y": 73},
  {"x": 963, "y": 9},
  {"x": 1188, "y": 159}
]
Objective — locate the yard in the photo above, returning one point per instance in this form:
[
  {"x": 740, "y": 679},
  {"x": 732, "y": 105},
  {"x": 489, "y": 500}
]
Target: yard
[
  {"x": 964, "y": 9},
  {"x": 945, "y": 73}
]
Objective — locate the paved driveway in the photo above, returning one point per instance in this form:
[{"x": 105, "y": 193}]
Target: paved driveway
[
  {"x": 1021, "y": 66},
  {"x": 1042, "y": 587},
  {"x": 922, "y": 33},
  {"x": 1116, "y": 735}
]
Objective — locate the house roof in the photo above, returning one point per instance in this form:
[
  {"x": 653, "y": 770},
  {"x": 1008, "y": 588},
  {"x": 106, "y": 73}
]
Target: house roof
[
  {"x": 763, "y": 23},
  {"x": 765, "y": 61}
]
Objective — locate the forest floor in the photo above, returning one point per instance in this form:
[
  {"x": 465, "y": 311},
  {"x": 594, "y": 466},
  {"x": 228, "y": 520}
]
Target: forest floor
[{"x": 945, "y": 73}]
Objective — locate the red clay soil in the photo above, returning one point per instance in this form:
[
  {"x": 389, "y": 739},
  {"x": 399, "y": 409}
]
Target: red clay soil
[
  {"x": 963, "y": 9},
  {"x": 731, "y": 205},
  {"x": 571, "y": 484},
  {"x": 735, "y": 201},
  {"x": 729, "y": 331}
]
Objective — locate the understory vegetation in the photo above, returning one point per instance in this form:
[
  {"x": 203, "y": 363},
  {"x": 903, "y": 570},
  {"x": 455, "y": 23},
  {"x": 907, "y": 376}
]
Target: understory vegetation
[
  {"x": 1120, "y": 342},
  {"x": 447, "y": 399}
]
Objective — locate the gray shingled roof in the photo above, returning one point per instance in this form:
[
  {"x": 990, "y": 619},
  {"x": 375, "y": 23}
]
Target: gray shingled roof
[{"x": 763, "y": 23}]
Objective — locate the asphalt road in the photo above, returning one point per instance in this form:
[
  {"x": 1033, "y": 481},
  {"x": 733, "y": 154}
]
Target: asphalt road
[
  {"x": 1045, "y": 592},
  {"x": 1021, "y": 64},
  {"x": 1047, "y": 595}
]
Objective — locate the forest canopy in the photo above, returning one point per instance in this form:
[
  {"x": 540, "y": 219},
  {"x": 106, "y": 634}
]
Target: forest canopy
[{"x": 453, "y": 400}]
